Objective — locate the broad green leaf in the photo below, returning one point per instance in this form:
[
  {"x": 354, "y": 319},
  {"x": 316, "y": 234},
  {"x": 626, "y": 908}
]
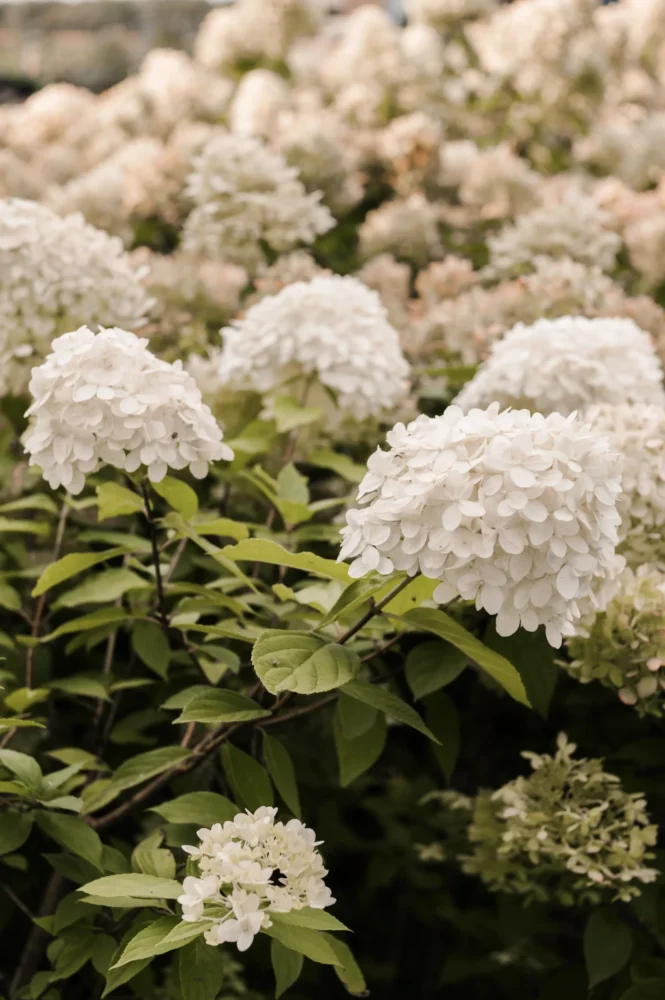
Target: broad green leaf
[
  {"x": 151, "y": 646},
  {"x": 24, "y": 698},
  {"x": 281, "y": 770},
  {"x": 416, "y": 591},
  {"x": 74, "y": 834},
  {"x": 52, "y": 782},
  {"x": 348, "y": 971},
  {"x": 288, "y": 414},
  {"x": 310, "y": 943},
  {"x": 38, "y": 501},
  {"x": 216, "y": 705},
  {"x": 341, "y": 464},
  {"x": 86, "y": 623},
  {"x": 149, "y": 858},
  {"x": 117, "y": 977},
  {"x": 72, "y": 564},
  {"x": 24, "y": 767},
  {"x": 9, "y": 597},
  {"x": 202, "y": 808},
  {"x": 116, "y": 501},
  {"x": 432, "y": 665},
  {"x": 12, "y": 526},
  {"x": 70, "y": 909},
  {"x": 535, "y": 660},
  {"x": 181, "y": 698},
  {"x": 75, "y": 952},
  {"x": 103, "y": 951},
  {"x": 287, "y": 966},
  {"x": 248, "y": 779},
  {"x": 135, "y": 884},
  {"x": 178, "y": 495},
  {"x": 16, "y": 722},
  {"x": 355, "y": 717},
  {"x": 299, "y": 662},
  {"x": 86, "y": 687},
  {"x": 15, "y": 829},
  {"x": 222, "y": 527},
  {"x": 104, "y": 588},
  {"x": 388, "y": 703},
  {"x": 74, "y": 755},
  {"x": 291, "y": 485},
  {"x": 201, "y": 970},
  {"x": 317, "y": 920},
  {"x": 164, "y": 935},
  {"x": 648, "y": 989},
  {"x": 357, "y": 755},
  {"x": 443, "y": 719},
  {"x": 608, "y": 944},
  {"x": 147, "y": 765},
  {"x": 497, "y": 666},
  {"x": 263, "y": 550},
  {"x": 352, "y": 597}
]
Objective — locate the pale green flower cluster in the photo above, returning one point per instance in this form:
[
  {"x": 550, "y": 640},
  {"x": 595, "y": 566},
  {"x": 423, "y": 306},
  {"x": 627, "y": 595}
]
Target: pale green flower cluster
[
  {"x": 566, "y": 832},
  {"x": 623, "y": 647}
]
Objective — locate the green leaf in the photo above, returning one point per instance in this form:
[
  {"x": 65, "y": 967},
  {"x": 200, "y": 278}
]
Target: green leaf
[
  {"x": 248, "y": 779},
  {"x": 608, "y": 944},
  {"x": 178, "y": 495},
  {"x": 9, "y": 597},
  {"x": 281, "y": 770},
  {"x": 358, "y": 754},
  {"x": 352, "y": 597},
  {"x": 287, "y": 966},
  {"x": 72, "y": 564},
  {"x": 103, "y": 951},
  {"x": 312, "y": 944},
  {"x": 37, "y": 501},
  {"x": 341, "y": 464},
  {"x": 316, "y": 920},
  {"x": 74, "y": 834},
  {"x": 201, "y": 970},
  {"x": 15, "y": 829},
  {"x": 349, "y": 972},
  {"x": 76, "y": 951},
  {"x": 202, "y": 808},
  {"x": 388, "y": 703},
  {"x": 151, "y": 859},
  {"x": 135, "y": 885},
  {"x": 151, "y": 646},
  {"x": 222, "y": 527},
  {"x": 10, "y": 526},
  {"x": 147, "y": 765},
  {"x": 299, "y": 662},
  {"x": 116, "y": 501},
  {"x": 105, "y": 587},
  {"x": 289, "y": 414},
  {"x": 164, "y": 935},
  {"x": 23, "y": 699},
  {"x": 535, "y": 660},
  {"x": 24, "y": 767},
  {"x": 117, "y": 977},
  {"x": 221, "y": 706},
  {"x": 263, "y": 550},
  {"x": 432, "y": 665},
  {"x": 86, "y": 687},
  {"x": 497, "y": 666},
  {"x": 354, "y": 716},
  {"x": 16, "y": 722},
  {"x": 291, "y": 485},
  {"x": 649, "y": 989},
  {"x": 443, "y": 719},
  {"x": 417, "y": 590},
  {"x": 87, "y": 623}
]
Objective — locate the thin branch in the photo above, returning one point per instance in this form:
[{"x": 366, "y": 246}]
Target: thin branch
[
  {"x": 296, "y": 713},
  {"x": 154, "y": 543},
  {"x": 36, "y": 941},
  {"x": 17, "y": 902},
  {"x": 373, "y": 610},
  {"x": 41, "y": 602}
]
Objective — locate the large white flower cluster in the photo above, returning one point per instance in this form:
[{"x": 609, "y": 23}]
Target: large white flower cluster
[
  {"x": 567, "y": 364},
  {"x": 514, "y": 510},
  {"x": 251, "y": 31},
  {"x": 105, "y": 399},
  {"x": 245, "y": 193},
  {"x": 249, "y": 868},
  {"x": 638, "y": 432},
  {"x": 571, "y": 226},
  {"x": 331, "y": 332},
  {"x": 55, "y": 274}
]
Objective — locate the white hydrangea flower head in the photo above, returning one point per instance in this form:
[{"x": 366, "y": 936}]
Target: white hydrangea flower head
[
  {"x": 645, "y": 239},
  {"x": 405, "y": 227},
  {"x": 623, "y": 646},
  {"x": 332, "y": 332},
  {"x": 573, "y": 226},
  {"x": 104, "y": 399},
  {"x": 409, "y": 147},
  {"x": 568, "y": 364},
  {"x": 368, "y": 52},
  {"x": 498, "y": 183},
  {"x": 637, "y": 431},
  {"x": 46, "y": 116},
  {"x": 56, "y": 273},
  {"x": 253, "y": 31},
  {"x": 243, "y": 193},
  {"x": 250, "y": 867},
  {"x": 257, "y": 102},
  {"x": 514, "y": 510},
  {"x": 298, "y": 265}
]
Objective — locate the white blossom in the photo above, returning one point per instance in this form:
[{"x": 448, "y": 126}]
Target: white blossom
[
  {"x": 251, "y": 31},
  {"x": 407, "y": 228},
  {"x": 568, "y": 364},
  {"x": 516, "y": 511},
  {"x": 333, "y": 330},
  {"x": 442, "y": 13},
  {"x": 105, "y": 399},
  {"x": 243, "y": 193},
  {"x": 260, "y": 96},
  {"x": 56, "y": 273},
  {"x": 252, "y": 866}
]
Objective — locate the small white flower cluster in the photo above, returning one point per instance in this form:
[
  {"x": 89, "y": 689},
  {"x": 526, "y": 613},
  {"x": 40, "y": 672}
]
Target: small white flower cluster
[
  {"x": 251, "y": 31},
  {"x": 332, "y": 331},
  {"x": 405, "y": 227},
  {"x": 55, "y": 274},
  {"x": 105, "y": 399},
  {"x": 513, "y": 509},
  {"x": 249, "y": 868},
  {"x": 567, "y": 364},
  {"x": 638, "y": 432},
  {"x": 245, "y": 193},
  {"x": 572, "y": 226}
]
